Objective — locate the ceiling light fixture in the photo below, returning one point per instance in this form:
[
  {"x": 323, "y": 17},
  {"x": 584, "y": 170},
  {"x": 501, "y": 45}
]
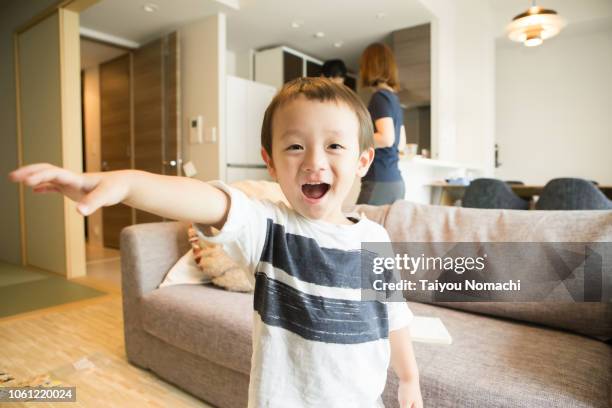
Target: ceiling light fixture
[
  {"x": 319, "y": 34},
  {"x": 381, "y": 15},
  {"x": 296, "y": 24},
  {"x": 150, "y": 7},
  {"x": 338, "y": 44},
  {"x": 535, "y": 25}
]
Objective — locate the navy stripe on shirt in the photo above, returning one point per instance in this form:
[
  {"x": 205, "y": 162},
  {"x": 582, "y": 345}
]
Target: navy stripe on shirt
[
  {"x": 303, "y": 258},
  {"x": 319, "y": 318}
]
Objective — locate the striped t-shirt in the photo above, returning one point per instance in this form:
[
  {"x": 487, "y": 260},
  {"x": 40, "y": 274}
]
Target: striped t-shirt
[{"x": 315, "y": 343}]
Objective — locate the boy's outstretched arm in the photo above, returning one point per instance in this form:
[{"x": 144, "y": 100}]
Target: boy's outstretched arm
[
  {"x": 405, "y": 366},
  {"x": 178, "y": 198}
]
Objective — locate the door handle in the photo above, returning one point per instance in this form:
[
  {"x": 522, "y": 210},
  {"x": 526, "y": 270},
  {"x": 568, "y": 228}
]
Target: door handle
[{"x": 171, "y": 163}]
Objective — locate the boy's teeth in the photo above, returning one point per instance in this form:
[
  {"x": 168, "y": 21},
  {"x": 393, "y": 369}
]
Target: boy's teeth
[{"x": 315, "y": 190}]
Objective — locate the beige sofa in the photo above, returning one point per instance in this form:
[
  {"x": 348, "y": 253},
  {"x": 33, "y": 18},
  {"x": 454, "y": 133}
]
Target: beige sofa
[{"x": 503, "y": 354}]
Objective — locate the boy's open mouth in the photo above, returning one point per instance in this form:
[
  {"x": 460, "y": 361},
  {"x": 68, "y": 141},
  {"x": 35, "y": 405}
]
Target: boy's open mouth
[{"x": 315, "y": 191}]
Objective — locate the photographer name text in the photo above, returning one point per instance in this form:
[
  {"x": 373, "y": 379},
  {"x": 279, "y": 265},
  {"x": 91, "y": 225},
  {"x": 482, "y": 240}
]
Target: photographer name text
[{"x": 437, "y": 286}]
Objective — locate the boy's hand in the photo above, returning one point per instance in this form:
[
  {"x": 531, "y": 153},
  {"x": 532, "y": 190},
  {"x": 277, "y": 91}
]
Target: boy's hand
[
  {"x": 409, "y": 394},
  {"x": 90, "y": 190}
]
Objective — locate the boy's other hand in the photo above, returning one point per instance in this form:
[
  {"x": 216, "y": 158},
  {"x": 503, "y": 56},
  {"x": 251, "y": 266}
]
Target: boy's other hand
[
  {"x": 409, "y": 394},
  {"x": 90, "y": 190}
]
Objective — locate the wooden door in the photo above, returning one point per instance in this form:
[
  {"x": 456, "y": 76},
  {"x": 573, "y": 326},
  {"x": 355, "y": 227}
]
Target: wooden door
[
  {"x": 115, "y": 146},
  {"x": 171, "y": 137},
  {"x": 156, "y": 111}
]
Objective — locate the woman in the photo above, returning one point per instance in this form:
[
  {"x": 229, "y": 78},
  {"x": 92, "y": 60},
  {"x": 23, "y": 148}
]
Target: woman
[{"x": 383, "y": 184}]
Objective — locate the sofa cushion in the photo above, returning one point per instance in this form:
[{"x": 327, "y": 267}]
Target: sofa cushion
[
  {"x": 497, "y": 363},
  {"x": 406, "y": 221},
  {"x": 204, "y": 320}
]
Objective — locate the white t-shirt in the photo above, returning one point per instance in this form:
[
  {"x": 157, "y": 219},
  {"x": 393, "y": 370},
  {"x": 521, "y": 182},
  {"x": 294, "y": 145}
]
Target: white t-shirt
[{"x": 315, "y": 343}]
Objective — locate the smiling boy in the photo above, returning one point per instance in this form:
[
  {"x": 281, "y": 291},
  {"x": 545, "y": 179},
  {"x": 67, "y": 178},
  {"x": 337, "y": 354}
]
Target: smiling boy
[{"x": 315, "y": 343}]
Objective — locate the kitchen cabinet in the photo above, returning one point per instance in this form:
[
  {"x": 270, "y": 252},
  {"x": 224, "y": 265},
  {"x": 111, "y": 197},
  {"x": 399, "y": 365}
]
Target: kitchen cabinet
[{"x": 276, "y": 66}]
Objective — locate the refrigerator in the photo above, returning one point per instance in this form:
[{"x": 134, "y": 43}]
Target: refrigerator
[{"x": 246, "y": 104}]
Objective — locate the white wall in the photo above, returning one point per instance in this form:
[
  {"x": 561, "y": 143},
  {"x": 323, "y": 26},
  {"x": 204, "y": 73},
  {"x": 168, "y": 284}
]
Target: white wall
[
  {"x": 239, "y": 63},
  {"x": 463, "y": 85},
  {"x": 554, "y": 107},
  {"x": 230, "y": 62},
  {"x": 203, "y": 72}
]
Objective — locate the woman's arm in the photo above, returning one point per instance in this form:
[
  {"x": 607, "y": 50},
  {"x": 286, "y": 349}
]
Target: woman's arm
[
  {"x": 384, "y": 135},
  {"x": 402, "y": 140},
  {"x": 177, "y": 198}
]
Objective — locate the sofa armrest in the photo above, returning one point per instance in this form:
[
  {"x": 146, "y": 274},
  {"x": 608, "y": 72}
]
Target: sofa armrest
[{"x": 148, "y": 251}]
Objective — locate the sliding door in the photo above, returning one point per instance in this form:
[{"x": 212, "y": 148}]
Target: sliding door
[
  {"x": 49, "y": 130},
  {"x": 156, "y": 110}
]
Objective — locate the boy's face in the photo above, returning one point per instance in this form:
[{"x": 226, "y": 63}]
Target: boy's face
[{"x": 316, "y": 157}]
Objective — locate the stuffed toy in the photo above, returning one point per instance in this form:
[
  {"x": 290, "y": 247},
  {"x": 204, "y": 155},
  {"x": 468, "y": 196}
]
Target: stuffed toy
[
  {"x": 216, "y": 264},
  {"x": 212, "y": 259}
]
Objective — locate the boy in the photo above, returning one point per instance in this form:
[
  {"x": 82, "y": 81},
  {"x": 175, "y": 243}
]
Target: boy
[{"x": 315, "y": 344}]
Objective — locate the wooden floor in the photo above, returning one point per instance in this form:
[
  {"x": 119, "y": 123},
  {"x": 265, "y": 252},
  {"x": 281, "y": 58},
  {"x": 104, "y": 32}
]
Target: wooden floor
[{"x": 50, "y": 341}]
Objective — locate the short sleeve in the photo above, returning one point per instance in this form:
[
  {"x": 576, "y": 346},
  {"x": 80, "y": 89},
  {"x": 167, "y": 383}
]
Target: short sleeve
[
  {"x": 380, "y": 106},
  {"x": 244, "y": 232},
  {"x": 399, "y": 314}
]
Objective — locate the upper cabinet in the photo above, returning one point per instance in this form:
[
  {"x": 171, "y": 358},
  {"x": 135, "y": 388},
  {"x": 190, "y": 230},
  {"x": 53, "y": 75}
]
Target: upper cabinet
[
  {"x": 276, "y": 66},
  {"x": 412, "y": 49}
]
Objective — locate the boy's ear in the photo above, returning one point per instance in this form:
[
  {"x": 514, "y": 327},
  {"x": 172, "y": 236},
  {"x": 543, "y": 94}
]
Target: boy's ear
[
  {"x": 365, "y": 160},
  {"x": 266, "y": 158}
]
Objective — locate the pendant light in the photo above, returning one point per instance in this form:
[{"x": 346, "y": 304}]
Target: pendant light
[{"x": 535, "y": 25}]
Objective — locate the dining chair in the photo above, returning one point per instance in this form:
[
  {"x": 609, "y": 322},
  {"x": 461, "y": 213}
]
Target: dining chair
[
  {"x": 572, "y": 194},
  {"x": 492, "y": 193}
]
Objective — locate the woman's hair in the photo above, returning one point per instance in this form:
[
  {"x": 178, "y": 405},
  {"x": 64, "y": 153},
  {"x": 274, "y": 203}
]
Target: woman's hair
[
  {"x": 322, "y": 90},
  {"x": 377, "y": 66},
  {"x": 333, "y": 69}
]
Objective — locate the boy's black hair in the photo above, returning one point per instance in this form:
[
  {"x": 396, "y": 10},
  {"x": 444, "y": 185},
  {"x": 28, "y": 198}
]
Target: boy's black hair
[
  {"x": 334, "y": 68},
  {"x": 322, "y": 90}
]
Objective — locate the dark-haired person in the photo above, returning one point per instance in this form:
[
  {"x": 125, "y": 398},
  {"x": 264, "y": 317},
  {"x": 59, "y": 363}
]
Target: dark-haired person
[
  {"x": 383, "y": 183},
  {"x": 335, "y": 70}
]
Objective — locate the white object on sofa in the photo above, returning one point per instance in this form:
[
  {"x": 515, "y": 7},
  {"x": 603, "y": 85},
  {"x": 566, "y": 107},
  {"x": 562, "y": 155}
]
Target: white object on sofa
[
  {"x": 429, "y": 330},
  {"x": 185, "y": 271}
]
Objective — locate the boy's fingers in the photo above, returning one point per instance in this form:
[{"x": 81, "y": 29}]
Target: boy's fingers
[
  {"x": 25, "y": 171},
  {"x": 45, "y": 188},
  {"x": 56, "y": 174}
]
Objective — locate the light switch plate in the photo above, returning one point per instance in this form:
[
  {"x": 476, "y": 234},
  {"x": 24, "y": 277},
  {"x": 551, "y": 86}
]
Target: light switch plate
[
  {"x": 211, "y": 135},
  {"x": 189, "y": 169}
]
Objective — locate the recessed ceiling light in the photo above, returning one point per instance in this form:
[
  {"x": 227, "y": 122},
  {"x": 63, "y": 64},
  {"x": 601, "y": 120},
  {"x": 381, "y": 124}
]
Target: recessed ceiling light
[
  {"x": 381, "y": 15},
  {"x": 338, "y": 44},
  {"x": 319, "y": 34},
  {"x": 150, "y": 7},
  {"x": 297, "y": 24}
]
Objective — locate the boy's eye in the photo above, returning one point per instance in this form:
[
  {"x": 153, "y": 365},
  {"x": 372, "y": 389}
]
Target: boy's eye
[
  {"x": 294, "y": 147},
  {"x": 336, "y": 146}
]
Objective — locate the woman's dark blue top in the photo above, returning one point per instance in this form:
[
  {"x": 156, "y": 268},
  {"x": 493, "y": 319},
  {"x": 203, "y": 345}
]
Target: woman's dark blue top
[{"x": 385, "y": 104}]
